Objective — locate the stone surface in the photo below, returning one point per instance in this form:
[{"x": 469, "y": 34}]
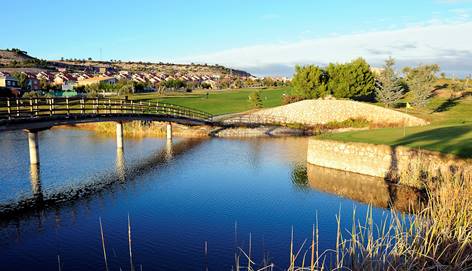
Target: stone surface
[
  {"x": 382, "y": 160},
  {"x": 312, "y": 112},
  {"x": 258, "y": 132}
]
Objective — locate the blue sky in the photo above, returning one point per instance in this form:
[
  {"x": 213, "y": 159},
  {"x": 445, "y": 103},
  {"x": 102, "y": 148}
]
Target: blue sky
[{"x": 262, "y": 36}]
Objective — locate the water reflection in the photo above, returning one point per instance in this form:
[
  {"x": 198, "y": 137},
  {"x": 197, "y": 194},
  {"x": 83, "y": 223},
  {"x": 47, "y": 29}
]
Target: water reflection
[
  {"x": 35, "y": 176},
  {"x": 121, "y": 174},
  {"x": 358, "y": 187},
  {"x": 120, "y": 165},
  {"x": 169, "y": 153}
]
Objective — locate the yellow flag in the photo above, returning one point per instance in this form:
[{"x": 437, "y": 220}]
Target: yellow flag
[{"x": 408, "y": 105}]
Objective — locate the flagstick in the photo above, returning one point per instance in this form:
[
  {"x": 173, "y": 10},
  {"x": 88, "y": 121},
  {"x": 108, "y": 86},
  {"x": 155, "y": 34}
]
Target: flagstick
[{"x": 404, "y": 121}]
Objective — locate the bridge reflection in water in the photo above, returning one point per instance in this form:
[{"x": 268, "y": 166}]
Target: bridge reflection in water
[
  {"x": 366, "y": 189},
  {"x": 123, "y": 174},
  {"x": 35, "y": 175}
]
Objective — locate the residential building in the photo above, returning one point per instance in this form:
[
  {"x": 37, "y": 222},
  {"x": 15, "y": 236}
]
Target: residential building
[
  {"x": 11, "y": 84},
  {"x": 45, "y": 76},
  {"x": 8, "y": 81},
  {"x": 97, "y": 80},
  {"x": 62, "y": 78},
  {"x": 32, "y": 83}
]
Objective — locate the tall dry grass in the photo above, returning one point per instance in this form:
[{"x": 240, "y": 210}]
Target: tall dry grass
[{"x": 437, "y": 237}]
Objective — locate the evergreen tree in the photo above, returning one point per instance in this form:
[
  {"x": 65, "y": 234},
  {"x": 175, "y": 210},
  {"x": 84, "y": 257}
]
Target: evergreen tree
[
  {"x": 352, "y": 80},
  {"x": 309, "y": 82},
  {"x": 420, "y": 82},
  {"x": 390, "y": 90},
  {"x": 256, "y": 99}
]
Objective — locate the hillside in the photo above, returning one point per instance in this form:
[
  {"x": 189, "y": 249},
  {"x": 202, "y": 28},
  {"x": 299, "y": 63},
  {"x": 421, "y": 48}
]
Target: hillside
[
  {"x": 169, "y": 68},
  {"x": 7, "y": 57},
  {"x": 12, "y": 60}
]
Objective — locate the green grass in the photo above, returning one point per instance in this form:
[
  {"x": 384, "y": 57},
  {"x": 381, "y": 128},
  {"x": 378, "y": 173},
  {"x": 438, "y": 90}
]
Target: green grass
[
  {"x": 450, "y": 130},
  {"x": 219, "y": 102}
]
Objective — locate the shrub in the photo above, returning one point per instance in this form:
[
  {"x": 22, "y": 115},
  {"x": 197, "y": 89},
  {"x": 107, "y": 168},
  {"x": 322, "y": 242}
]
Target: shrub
[{"x": 288, "y": 99}]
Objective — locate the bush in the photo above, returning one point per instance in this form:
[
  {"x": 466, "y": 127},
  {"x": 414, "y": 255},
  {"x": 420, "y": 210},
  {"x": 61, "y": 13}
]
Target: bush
[
  {"x": 31, "y": 94},
  {"x": 288, "y": 99}
]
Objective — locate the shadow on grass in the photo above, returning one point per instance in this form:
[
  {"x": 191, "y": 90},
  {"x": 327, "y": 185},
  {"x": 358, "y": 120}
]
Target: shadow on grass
[
  {"x": 447, "y": 104},
  {"x": 442, "y": 139}
]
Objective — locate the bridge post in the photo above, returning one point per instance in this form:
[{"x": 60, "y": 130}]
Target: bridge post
[
  {"x": 169, "y": 131},
  {"x": 119, "y": 135},
  {"x": 33, "y": 146}
]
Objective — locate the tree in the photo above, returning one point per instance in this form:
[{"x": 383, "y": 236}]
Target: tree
[
  {"x": 22, "y": 80},
  {"x": 309, "y": 82},
  {"x": 174, "y": 84},
  {"x": 18, "y": 51},
  {"x": 390, "y": 90},
  {"x": 92, "y": 90},
  {"x": 353, "y": 80},
  {"x": 457, "y": 86},
  {"x": 256, "y": 99},
  {"x": 467, "y": 80},
  {"x": 420, "y": 82}
]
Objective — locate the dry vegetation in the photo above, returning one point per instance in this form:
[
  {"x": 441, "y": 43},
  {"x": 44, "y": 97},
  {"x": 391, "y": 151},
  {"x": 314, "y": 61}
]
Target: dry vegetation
[{"x": 438, "y": 237}]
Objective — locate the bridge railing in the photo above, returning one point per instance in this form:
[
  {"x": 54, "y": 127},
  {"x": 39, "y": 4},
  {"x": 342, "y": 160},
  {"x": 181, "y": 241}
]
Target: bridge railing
[{"x": 24, "y": 108}]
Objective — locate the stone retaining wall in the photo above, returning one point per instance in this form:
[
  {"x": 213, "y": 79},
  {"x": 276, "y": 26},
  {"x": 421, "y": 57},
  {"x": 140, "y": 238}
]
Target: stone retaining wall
[
  {"x": 383, "y": 161},
  {"x": 258, "y": 132},
  {"x": 312, "y": 112}
]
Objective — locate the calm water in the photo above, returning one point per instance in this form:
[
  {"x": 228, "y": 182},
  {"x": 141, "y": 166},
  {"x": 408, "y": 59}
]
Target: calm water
[{"x": 178, "y": 197}]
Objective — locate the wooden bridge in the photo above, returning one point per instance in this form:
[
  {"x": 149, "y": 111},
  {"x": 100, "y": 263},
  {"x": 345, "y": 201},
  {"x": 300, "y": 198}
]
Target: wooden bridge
[
  {"x": 37, "y": 114},
  {"x": 43, "y": 113}
]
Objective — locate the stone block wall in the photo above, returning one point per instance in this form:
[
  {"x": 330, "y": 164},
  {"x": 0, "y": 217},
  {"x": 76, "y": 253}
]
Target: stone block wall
[{"x": 382, "y": 160}]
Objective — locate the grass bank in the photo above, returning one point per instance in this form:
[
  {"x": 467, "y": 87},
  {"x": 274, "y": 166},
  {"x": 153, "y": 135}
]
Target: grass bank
[
  {"x": 219, "y": 102},
  {"x": 450, "y": 130}
]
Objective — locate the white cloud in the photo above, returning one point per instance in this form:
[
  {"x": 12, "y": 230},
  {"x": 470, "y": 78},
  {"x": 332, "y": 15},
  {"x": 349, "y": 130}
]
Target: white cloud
[{"x": 449, "y": 44}]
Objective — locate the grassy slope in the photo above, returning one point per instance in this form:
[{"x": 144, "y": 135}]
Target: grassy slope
[
  {"x": 219, "y": 102},
  {"x": 450, "y": 130}
]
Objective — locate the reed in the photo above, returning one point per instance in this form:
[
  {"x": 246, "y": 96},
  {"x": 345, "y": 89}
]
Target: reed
[
  {"x": 103, "y": 244},
  {"x": 438, "y": 237}
]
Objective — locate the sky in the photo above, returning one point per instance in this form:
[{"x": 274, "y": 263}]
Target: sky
[{"x": 264, "y": 37}]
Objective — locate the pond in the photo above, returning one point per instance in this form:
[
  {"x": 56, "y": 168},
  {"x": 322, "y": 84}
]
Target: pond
[{"x": 191, "y": 203}]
